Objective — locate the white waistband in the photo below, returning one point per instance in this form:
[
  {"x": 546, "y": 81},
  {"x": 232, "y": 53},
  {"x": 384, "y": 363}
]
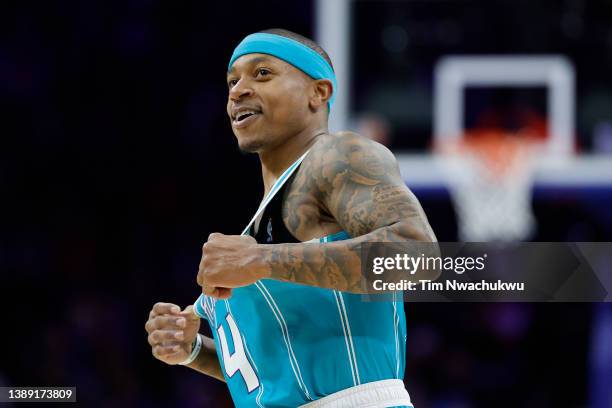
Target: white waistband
[{"x": 378, "y": 394}]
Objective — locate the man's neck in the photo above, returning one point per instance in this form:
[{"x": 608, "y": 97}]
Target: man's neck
[{"x": 275, "y": 161}]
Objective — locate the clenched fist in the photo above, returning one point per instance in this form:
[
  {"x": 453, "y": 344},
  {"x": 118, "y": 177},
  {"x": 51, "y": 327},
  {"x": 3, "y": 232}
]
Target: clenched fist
[
  {"x": 230, "y": 261},
  {"x": 171, "y": 332}
]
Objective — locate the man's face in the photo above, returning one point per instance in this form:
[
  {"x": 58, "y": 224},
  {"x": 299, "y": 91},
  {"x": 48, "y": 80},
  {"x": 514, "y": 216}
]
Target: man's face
[{"x": 267, "y": 101}]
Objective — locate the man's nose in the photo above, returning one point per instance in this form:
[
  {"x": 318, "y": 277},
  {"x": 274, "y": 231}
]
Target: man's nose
[{"x": 240, "y": 90}]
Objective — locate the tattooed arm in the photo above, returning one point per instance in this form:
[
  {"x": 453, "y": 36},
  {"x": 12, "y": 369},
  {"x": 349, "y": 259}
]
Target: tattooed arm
[{"x": 358, "y": 182}]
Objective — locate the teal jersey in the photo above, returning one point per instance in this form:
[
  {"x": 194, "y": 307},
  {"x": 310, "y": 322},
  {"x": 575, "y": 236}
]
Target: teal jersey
[{"x": 283, "y": 344}]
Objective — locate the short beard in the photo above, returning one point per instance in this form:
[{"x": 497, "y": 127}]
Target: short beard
[{"x": 254, "y": 147}]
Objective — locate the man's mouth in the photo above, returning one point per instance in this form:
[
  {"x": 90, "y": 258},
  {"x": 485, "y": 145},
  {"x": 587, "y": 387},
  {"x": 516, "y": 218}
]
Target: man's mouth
[{"x": 244, "y": 118}]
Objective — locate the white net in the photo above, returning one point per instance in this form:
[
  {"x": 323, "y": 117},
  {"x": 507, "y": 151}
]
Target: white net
[{"x": 490, "y": 182}]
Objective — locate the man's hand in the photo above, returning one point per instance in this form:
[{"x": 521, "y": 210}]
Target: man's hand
[
  {"x": 171, "y": 332},
  {"x": 229, "y": 261}
]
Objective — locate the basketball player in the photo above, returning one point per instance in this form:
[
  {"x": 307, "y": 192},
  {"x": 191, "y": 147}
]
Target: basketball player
[{"x": 289, "y": 325}]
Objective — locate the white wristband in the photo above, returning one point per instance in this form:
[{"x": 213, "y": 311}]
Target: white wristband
[{"x": 194, "y": 351}]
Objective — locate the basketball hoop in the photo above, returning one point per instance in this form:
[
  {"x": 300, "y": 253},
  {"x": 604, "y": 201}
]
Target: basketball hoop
[{"x": 490, "y": 177}]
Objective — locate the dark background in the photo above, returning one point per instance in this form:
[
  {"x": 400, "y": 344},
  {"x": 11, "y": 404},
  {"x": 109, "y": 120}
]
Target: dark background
[{"x": 117, "y": 160}]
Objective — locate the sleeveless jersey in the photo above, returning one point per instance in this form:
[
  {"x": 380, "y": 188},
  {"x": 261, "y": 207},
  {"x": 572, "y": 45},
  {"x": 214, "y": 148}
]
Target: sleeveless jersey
[{"x": 283, "y": 344}]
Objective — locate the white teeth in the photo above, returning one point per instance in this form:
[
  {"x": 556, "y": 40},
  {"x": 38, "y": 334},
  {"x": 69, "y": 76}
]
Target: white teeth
[{"x": 244, "y": 113}]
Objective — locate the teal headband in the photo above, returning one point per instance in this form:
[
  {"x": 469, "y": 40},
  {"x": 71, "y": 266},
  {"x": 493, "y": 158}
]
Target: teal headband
[{"x": 295, "y": 53}]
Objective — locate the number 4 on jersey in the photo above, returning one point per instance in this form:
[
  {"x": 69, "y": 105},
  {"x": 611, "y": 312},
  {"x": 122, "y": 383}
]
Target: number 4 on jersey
[{"x": 237, "y": 361}]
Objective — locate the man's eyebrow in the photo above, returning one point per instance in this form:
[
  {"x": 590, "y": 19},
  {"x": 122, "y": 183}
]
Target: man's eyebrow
[{"x": 252, "y": 61}]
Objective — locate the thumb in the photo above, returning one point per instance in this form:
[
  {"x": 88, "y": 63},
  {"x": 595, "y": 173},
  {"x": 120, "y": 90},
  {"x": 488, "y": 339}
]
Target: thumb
[{"x": 189, "y": 313}]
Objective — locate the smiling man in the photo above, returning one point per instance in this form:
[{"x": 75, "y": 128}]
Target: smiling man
[{"x": 283, "y": 299}]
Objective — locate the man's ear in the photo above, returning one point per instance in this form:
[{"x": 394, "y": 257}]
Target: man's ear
[{"x": 321, "y": 92}]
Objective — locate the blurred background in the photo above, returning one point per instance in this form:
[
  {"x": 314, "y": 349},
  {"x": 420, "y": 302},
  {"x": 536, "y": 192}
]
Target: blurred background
[{"x": 117, "y": 160}]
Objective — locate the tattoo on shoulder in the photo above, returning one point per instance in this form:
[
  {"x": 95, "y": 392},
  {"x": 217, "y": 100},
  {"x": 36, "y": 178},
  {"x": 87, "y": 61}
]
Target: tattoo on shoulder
[
  {"x": 357, "y": 181},
  {"x": 360, "y": 184}
]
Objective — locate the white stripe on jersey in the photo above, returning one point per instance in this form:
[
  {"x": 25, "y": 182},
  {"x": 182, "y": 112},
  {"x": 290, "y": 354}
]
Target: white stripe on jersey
[
  {"x": 350, "y": 337},
  {"x": 395, "y": 331},
  {"x": 348, "y": 348},
  {"x": 281, "y": 321}
]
